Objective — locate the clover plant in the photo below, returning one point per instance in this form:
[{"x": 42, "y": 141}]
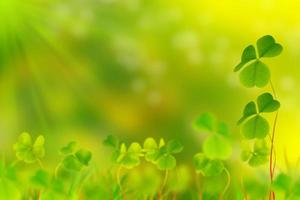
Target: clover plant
[{"x": 254, "y": 126}]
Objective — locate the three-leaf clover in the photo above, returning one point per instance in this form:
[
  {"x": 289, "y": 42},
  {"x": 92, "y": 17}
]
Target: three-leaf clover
[
  {"x": 29, "y": 151},
  {"x": 216, "y": 145},
  {"x": 75, "y": 159},
  {"x": 161, "y": 154},
  {"x": 130, "y": 157},
  {"x": 255, "y": 125},
  {"x": 254, "y": 71},
  {"x": 206, "y": 166},
  {"x": 258, "y": 155}
]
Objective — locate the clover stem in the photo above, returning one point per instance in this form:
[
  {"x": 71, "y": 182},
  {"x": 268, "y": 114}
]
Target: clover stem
[
  {"x": 272, "y": 157},
  {"x": 119, "y": 175},
  {"x": 227, "y": 184},
  {"x": 199, "y": 186},
  {"x": 164, "y": 183},
  {"x": 40, "y": 163},
  {"x": 56, "y": 169}
]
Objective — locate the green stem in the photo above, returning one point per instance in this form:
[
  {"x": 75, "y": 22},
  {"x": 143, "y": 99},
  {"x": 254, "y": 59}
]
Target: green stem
[
  {"x": 56, "y": 169},
  {"x": 163, "y": 184},
  {"x": 40, "y": 163},
  {"x": 227, "y": 184}
]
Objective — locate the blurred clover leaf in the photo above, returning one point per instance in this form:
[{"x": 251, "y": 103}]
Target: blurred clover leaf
[
  {"x": 75, "y": 159},
  {"x": 129, "y": 158},
  {"x": 258, "y": 156},
  {"x": 161, "y": 155},
  {"x": 111, "y": 141},
  {"x": 41, "y": 178},
  {"x": 206, "y": 166},
  {"x": 205, "y": 122},
  {"x": 267, "y": 47},
  {"x": 217, "y": 147},
  {"x": 28, "y": 151},
  {"x": 68, "y": 149},
  {"x": 255, "y": 127},
  {"x": 282, "y": 182}
]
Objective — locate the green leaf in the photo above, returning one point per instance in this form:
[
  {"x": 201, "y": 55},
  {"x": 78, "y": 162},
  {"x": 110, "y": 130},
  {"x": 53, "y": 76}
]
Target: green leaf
[
  {"x": 150, "y": 144},
  {"x": 68, "y": 149},
  {"x": 111, "y": 141},
  {"x": 248, "y": 55},
  {"x": 28, "y": 152},
  {"x": 72, "y": 163},
  {"x": 256, "y": 74},
  {"x": 84, "y": 156},
  {"x": 161, "y": 143},
  {"x": 266, "y": 103},
  {"x": 282, "y": 182},
  {"x": 200, "y": 161},
  {"x": 206, "y": 166},
  {"x": 217, "y": 147},
  {"x": 205, "y": 122},
  {"x": 222, "y": 129},
  {"x": 38, "y": 147},
  {"x": 166, "y": 162},
  {"x": 130, "y": 160},
  {"x": 135, "y": 148},
  {"x": 249, "y": 110},
  {"x": 41, "y": 178},
  {"x": 245, "y": 155},
  {"x": 267, "y": 47},
  {"x": 255, "y": 127},
  {"x": 260, "y": 154},
  {"x": 174, "y": 146}
]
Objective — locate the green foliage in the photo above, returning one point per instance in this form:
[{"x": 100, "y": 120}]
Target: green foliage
[
  {"x": 27, "y": 151},
  {"x": 266, "y": 103},
  {"x": 75, "y": 159},
  {"x": 206, "y": 166},
  {"x": 248, "y": 55},
  {"x": 158, "y": 154},
  {"x": 217, "y": 147},
  {"x": 205, "y": 122},
  {"x": 257, "y": 73},
  {"x": 255, "y": 127},
  {"x": 267, "y": 47},
  {"x": 259, "y": 155}
]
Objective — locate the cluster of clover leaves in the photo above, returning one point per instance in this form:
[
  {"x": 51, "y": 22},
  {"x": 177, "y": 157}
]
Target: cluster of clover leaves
[
  {"x": 216, "y": 148},
  {"x": 160, "y": 154},
  {"x": 73, "y": 161},
  {"x": 253, "y": 124}
]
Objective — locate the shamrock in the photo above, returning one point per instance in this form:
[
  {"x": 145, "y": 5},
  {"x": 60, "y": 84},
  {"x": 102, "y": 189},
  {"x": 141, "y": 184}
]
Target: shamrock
[{"x": 28, "y": 151}]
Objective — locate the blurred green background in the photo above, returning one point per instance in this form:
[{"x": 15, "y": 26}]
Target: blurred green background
[{"x": 83, "y": 69}]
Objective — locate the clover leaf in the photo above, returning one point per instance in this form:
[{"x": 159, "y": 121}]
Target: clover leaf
[
  {"x": 217, "y": 147},
  {"x": 267, "y": 47},
  {"x": 255, "y": 74},
  {"x": 166, "y": 162},
  {"x": 282, "y": 182},
  {"x": 111, "y": 141},
  {"x": 27, "y": 151},
  {"x": 74, "y": 159},
  {"x": 266, "y": 103},
  {"x": 249, "y": 110},
  {"x": 258, "y": 156},
  {"x": 41, "y": 178},
  {"x": 255, "y": 127},
  {"x": 84, "y": 156},
  {"x": 205, "y": 122},
  {"x": 130, "y": 157},
  {"x": 68, "y": 149},
  {"x": 174, "y": 146},
  {"x": 248, "y": 55},
  {"x": 206, "y": 166}
]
